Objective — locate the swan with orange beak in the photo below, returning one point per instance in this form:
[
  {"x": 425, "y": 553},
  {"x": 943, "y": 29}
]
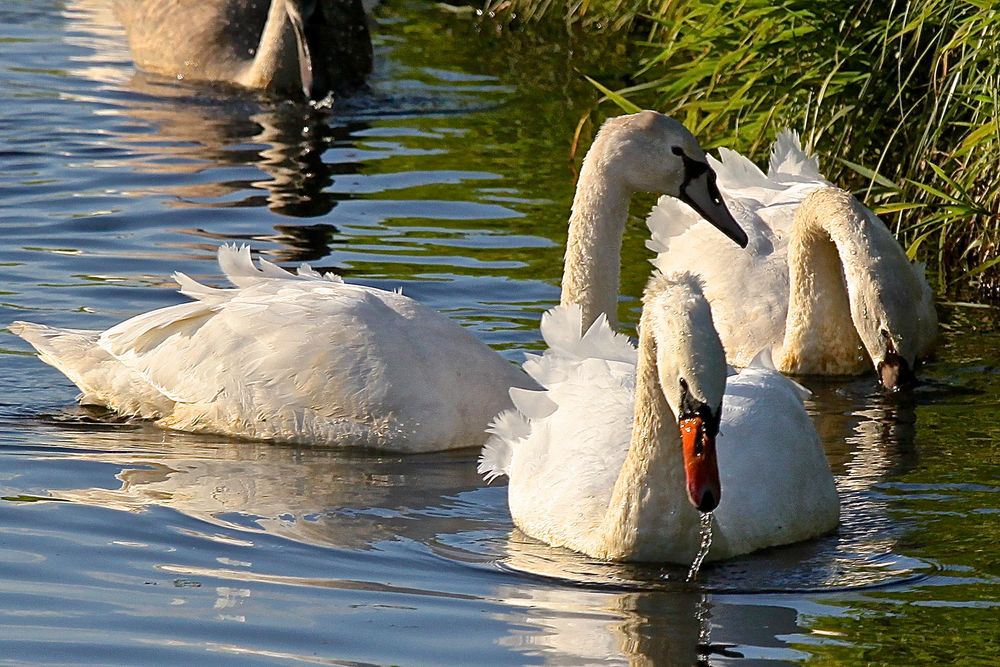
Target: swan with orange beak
[{"x": 626, "y": 447}]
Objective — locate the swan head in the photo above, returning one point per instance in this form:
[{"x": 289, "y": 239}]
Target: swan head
[
  {"x": 691, "y": 371},
  {"x": 895, "y": 318},
  {"x": 655, "y": 153}
]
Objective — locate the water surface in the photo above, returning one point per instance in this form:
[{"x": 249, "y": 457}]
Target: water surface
[{"x": 451, "y": 178}]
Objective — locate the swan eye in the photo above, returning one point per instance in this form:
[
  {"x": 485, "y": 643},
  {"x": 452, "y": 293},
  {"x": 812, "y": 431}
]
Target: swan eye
[{"x": 677, "y": 150}]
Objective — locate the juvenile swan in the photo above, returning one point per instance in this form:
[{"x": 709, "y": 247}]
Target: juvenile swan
[
  {"x": 284, "y": 46},
  {"x": 309, "y": 358},
  {"x": 822, "y": 282},
  {"x": 618, "y": 455}
]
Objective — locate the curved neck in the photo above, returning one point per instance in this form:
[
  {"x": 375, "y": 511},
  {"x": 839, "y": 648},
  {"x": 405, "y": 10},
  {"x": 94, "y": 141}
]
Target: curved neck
[
  {"x": 593, "y": 246},
  {"x": 649, "y": 517},
  {"x": 820, "y": 333},
  {"x": 276, "y": 52}
]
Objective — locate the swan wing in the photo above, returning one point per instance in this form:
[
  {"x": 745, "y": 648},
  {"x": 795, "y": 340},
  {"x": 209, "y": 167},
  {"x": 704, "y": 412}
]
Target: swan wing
[
  {"x": 563, "y": 447},
  {"x": 561, "y": 329},
  {"x": 777, "y": 485},
  {"x": 790, "y": 163}
]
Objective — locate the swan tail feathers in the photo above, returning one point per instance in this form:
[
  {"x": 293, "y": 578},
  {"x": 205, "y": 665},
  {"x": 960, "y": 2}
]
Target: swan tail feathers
[
  {"x": 60, "y": 348},
  {"x": 101, "y": 378},
  {"x": 787, "y": 157},
  {"x": 506, "y": 428}
]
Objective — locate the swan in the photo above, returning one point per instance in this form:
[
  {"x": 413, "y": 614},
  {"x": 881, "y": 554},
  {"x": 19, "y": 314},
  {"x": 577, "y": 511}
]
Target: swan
[
  {"x": 822, "y": 282},
  {"x": 283, "y": 46},
  {"x": 620, "y": 453},
  {"x": 312, "y": 359}
]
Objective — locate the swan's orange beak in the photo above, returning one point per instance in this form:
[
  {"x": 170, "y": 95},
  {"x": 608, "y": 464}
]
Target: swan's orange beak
[{"x": 700, "y": 466}]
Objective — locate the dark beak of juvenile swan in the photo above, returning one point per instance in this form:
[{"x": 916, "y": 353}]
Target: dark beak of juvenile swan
[
  {"x": 700, "y": 192},
  {"x": 701, "y": 469},
  {"x": 304, "y": 15},
  {"x": 894, "y": 372}
]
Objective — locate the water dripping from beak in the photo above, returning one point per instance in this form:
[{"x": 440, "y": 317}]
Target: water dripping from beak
[{"x": 706, "y": 544}]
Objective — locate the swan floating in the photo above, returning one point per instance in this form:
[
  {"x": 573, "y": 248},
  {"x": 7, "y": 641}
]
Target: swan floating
[
  {"x": 297, "y": 358},
  {"x": 284, "y": 46},
  {"x": 311, "y": 359},
  {"x": 823, "y": 281},
  {"x": 618, "y": 454}
]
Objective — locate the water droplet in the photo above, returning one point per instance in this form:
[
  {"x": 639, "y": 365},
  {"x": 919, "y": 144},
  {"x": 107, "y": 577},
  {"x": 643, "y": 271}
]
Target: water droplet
[{"x": 706, "y": 543}]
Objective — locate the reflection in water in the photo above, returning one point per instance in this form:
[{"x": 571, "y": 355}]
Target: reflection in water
[
  {"x": 286, "y": 141},
  {"x": 198, "y": 129},
  {"x": 315, "y": 495},
  {"x": 680, "y": 626}
]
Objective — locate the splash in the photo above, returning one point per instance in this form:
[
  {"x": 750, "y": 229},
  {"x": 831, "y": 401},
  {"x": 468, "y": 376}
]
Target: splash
[{"x": 706, "y": 543}]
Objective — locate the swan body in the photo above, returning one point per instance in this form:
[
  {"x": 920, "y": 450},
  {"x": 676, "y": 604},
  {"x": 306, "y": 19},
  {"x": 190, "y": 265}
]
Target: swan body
[
  {"x": 823, "y": 282},
  {"x": 595, "y": 461},
  {"x": 283, "y": 46},
  {"x": 298, "y": 358}
]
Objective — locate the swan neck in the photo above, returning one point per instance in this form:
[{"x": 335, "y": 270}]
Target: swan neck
[
  {"x": 275, "y": 52},
  {"x": 824, "y": 259},
  {"x": 593, "y": 246},
  {"x": 649, "y": 516}
]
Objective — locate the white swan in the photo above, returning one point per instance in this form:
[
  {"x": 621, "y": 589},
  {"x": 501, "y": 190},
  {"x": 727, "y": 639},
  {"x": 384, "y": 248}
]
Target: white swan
[
  {"x": 309, "y": 359},
  {"x": 298, "y": 358},
  {"x": 614, "y": 457},
  {"x": 284, "y": 46},
  {"x": 822, "y": 282}
]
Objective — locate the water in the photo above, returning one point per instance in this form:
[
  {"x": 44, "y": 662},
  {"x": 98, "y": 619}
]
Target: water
[
  {"x": 706, "y": 544},
  {"x": 125, "y": 544}
]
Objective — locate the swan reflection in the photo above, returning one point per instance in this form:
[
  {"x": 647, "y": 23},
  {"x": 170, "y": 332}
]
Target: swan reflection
[
  {"x": 273, "y": 150},
  {"x": 569, "y": 624},
  {"x": 315, "y": 495}
]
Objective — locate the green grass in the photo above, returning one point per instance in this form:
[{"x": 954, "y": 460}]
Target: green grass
[{"x": 900, "y": 100}]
